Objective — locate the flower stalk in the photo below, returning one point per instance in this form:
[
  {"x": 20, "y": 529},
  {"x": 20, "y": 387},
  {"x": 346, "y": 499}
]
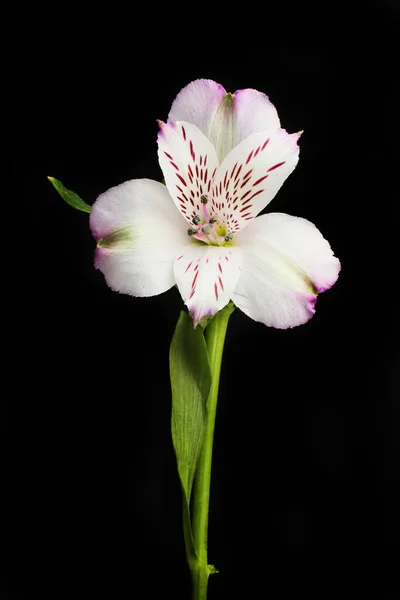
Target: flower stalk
[{"x": 215, "y": 338}]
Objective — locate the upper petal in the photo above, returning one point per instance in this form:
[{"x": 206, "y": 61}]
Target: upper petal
[
  {"x": 286, "y": 263},
  {"x": 188, "y": 162},
  {"x": 226, "y": 119},
  {"x": 197, "y": 103},
  {"x": 251, "y": 175},
  {"x": 206, "y": 277},
  {"x": 139, "y": 234},
  {"x": 254, "y": 112}
]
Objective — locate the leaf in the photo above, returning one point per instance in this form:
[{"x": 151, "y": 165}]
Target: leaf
[
  {"x": 190, "y": 384},
  {"x": 70, "y": 197}
]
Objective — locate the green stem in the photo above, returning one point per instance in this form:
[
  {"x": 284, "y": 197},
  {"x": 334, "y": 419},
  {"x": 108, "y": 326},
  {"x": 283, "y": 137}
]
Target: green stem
[{"x": 215, "y": 337}]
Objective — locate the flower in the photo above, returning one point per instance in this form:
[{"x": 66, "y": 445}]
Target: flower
[{"x": 223, "y": 157}]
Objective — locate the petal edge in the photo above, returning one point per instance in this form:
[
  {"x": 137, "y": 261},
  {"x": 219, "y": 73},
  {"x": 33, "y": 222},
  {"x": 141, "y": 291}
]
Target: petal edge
[
  {"x": 287, "y": 262},
  {"x": 206, "y": 277},
  {"x": 139, "y": 233}
]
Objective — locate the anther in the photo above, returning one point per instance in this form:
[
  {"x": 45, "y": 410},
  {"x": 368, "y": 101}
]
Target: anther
[
  {"x": 207, "y": 229},
  {"x": 204, "y": 198},
  {"x": 213, "y": 219},
  {"x": 196, "y": 220},
  {"x": 192, "y": 231},
  {"x": 228, "y": 237}
]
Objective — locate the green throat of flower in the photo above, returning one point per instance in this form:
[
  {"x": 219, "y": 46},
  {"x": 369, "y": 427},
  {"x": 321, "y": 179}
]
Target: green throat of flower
[{"x": 118, "y": 238}]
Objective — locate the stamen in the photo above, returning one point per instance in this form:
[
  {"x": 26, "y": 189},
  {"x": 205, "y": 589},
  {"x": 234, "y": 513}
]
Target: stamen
[
  {"x": 204, "y": 198},
  {"x": 206, "y": 214},
  {"x": 213, "y": 219},
  {"x": 196, "y": 220},
  {"x": 192, "y": 231}
]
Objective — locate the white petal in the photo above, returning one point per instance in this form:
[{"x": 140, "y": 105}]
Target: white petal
[
  {"x": 254, "y": 113},
  {"x": 197, "y": 103},
  {"x": 226, "y": 119},
  {"x": 139, "y": 234},
  {"x": 188, "y": 162},
  {"x": 251, "y": 175},
  {"x": 286, "y": 263},
  {"x": 206, "y": 277}
]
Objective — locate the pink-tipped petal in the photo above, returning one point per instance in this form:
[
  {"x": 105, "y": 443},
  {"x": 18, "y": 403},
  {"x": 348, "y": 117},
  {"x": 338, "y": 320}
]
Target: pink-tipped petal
[
  {"x": 254, "y": 113},
  {"x": 226, "y": 119},
  {"x": 197, "y": 103},
  {"x": 250, "y": 176},
  {"x": 139, "y": 234},
  {"x": 188, "y": 162},
  {"x": 286, "y": 263},
  {"x": 206, "y": 277}
]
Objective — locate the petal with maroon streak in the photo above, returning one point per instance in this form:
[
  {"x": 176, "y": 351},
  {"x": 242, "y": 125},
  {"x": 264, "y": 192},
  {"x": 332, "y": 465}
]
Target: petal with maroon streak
[
  {"x": 188, "y": 162},
  {"x": 251, "y": 175},
  {"x": 206, "y": 277}
]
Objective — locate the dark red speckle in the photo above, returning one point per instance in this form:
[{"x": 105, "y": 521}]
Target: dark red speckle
[
  {"x": 260, "y": 180},
  {"x": 276, "y": 166},
  {"x": 194, "y": 279},
  {"x": 249, "y": 157},
  {"x": 181, "y": 179},
  {"x": 264, "y": 144}
]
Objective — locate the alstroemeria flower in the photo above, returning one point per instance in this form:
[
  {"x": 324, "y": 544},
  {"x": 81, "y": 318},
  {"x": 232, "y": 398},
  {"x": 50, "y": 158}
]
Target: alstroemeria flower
[{"x": 200, "y": 230}]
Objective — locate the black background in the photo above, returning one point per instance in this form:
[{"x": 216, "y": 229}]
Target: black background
[{"x": 305, "y": 493}]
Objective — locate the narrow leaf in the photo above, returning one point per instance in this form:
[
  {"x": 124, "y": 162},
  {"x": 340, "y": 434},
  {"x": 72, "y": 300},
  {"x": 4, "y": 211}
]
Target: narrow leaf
[
  {"x": 70, "y": 197},
  {"x": 190, "y": 385}
]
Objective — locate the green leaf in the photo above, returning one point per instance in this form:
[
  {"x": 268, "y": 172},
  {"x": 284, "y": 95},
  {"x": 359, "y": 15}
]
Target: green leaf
[
  {"x": 70, "y": 197},
  {"x": 190, "y": 384}
]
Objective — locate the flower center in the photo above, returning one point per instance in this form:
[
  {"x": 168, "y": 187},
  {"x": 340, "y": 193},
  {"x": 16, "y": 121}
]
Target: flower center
[{"x": 208, "y": 228}]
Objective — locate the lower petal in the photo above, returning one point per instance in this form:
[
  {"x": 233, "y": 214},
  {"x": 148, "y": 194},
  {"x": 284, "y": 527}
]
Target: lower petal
[
  {"x": 286, "y": 264},
  {"x": 139, "y": 233},
  {"x": 206, "y": 277}
]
